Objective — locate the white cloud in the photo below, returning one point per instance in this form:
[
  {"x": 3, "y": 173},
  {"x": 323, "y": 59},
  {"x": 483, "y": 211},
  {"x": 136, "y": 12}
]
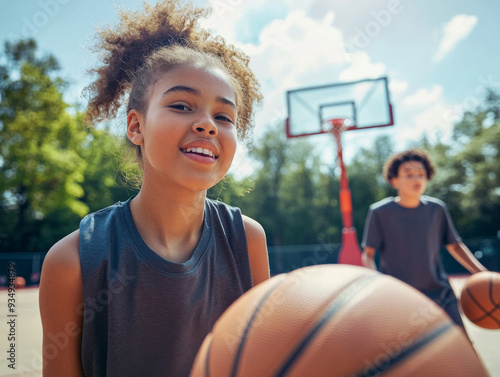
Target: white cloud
[
  {"x": 398, "y": 87},
  {"x": 224, "y": 18},
  {"x": 294, "y": 52},
  {"x": 361, "y": 68},
  {"x": 432, "y": 121},
  {"x": 425, "y": 113},
  {"x": 455, "y": 30},
  {"x": 297, "y": 4},
  {"x": 299, "y": 43},
  {"x": 302, "y": 49},
  {"x": 423, "y": 97}
]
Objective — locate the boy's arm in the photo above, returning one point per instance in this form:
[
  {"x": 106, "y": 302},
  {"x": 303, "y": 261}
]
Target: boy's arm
[
  {"x": 61, "y": 298},
  {"x": 463, "y": 255},
  {"x": 257, "y": 250},
  {"x": 368, "y": 257}
]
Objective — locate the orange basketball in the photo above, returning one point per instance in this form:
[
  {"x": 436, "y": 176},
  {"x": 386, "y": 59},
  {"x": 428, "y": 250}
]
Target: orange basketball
[
  {"x": 480, "y": 299},
  {"x": 19, "y": 282},
  {"x": 335, "y": 320}
]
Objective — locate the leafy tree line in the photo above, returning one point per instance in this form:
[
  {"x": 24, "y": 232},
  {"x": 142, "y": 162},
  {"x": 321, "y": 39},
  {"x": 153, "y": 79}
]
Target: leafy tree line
[{"x": 54, "y": 170}]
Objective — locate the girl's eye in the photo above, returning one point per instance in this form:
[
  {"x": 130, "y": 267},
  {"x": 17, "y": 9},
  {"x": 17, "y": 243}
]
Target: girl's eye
[
  {"x": 180, "y": 107},
  {"x": 224, "y": 118}
]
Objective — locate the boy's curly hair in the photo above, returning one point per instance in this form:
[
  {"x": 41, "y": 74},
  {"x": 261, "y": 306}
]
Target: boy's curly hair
[
  {"x": 392, "y": 165},
  {"x": 145, "y": 45}
]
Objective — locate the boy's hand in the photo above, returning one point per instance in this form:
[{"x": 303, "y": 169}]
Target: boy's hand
[{"x": 368, "y": 258}]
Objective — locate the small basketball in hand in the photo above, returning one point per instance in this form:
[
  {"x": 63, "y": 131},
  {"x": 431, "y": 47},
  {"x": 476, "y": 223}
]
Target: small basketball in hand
[
  {"x": 19, "y": 282},
  {"x": 480, "y": 299},
  {"x": 335, "y": 321}
]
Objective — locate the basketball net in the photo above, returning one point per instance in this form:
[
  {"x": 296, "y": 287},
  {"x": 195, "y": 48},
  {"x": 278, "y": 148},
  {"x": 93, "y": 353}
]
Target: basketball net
[{"x": 350, "y": 252}]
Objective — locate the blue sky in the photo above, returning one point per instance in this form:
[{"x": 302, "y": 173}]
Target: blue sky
[{"x": 439, "y": 55}]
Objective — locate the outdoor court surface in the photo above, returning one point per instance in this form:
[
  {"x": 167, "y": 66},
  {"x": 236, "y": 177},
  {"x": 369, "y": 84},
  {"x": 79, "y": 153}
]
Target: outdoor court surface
[{"x": 29, "y": 336}]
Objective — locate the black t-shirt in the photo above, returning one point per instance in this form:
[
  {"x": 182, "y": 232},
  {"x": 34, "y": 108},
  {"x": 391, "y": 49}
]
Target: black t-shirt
[{"x": 409, "y": 240}]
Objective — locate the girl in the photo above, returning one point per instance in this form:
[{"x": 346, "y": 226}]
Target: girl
[{"x": 135, "y": 290}]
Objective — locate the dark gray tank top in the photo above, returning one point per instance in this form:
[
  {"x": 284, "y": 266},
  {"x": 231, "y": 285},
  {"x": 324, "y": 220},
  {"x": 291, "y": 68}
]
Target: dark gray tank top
[{"x": 144, "y": 315}]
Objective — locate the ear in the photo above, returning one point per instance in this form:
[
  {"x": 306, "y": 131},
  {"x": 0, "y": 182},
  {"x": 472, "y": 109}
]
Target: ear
[
  {"x": 134, "y": 127},
  {"x": 394, "y": 182}
]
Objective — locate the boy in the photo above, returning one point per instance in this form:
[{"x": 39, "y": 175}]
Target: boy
[{"x": 409, "y": 230}]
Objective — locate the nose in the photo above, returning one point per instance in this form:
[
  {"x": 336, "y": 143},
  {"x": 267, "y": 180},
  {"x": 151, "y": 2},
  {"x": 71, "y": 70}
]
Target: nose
[{"x": 205, "y": 126}]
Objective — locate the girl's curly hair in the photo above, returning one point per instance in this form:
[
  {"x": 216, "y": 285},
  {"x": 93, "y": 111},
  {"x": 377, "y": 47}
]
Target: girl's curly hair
[
  {"x": 145, "y": 45},
  {"x": 392, "y": 165}
]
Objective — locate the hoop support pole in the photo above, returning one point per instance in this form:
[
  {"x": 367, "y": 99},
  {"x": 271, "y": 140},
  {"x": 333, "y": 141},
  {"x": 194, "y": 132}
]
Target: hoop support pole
[{"x": 350, "y": 251}]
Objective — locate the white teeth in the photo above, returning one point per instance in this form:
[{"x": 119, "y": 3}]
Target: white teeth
[{"x": 199, "y": 150}]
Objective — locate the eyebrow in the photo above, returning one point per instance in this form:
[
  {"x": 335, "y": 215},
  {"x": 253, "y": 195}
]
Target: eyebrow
[
  {"x": 413, "y": 169},
  {"x": 196, "y": 92}
]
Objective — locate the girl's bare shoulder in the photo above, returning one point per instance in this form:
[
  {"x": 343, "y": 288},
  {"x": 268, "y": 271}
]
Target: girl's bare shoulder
[{"x": 65, "y": 253}]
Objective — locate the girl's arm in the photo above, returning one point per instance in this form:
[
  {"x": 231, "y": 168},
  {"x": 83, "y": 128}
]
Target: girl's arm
[
  {"x": 257, "y": 250},
  {"x": 61, "y": 310},
  {"x": 464, "y": 256}
]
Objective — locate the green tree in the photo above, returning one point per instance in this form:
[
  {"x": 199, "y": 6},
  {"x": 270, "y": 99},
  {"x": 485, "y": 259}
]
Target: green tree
[
  {"x": 106, "y": 169},
  {"x": 366, "y": 179},
  {"x": 270, "y": 152},
  {"x": 41, "y": 170},
  {"x": 51, "y": 164},
  {"x": 232, "y": 191},
  {"x": 289, "y": 193},
  {"x": 477, "y": 165}
]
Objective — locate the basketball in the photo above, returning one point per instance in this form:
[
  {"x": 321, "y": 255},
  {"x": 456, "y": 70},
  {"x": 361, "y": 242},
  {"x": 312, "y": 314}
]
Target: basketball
[
  {"x": 19, "y": 282},
  {"x": 335, "y": 320},
  {"x": 480, "y": 299}
]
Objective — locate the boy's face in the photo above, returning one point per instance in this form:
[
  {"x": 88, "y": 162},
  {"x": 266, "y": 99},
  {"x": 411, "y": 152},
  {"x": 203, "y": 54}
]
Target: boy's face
[{"x": 411, "y": 181}]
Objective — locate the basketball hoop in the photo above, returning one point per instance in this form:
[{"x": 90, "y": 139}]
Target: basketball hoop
[
  {"x": 337, "y": 127},
  {"x": 334, "y": 109}
]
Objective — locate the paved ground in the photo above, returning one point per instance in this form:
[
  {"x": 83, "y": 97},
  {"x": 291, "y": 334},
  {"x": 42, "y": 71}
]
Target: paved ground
[
  {"x": 29, "y": 336},
  {"x": 28, "y": 333}
]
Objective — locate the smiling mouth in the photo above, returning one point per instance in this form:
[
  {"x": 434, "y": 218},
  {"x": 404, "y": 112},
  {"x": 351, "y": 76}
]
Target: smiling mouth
[{"x": 200, "y": 151}]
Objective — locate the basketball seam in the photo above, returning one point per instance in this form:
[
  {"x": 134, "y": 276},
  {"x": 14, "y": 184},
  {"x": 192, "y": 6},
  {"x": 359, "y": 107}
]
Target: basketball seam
[
  {"x": 239, "y": 352},
  {"x": 335, "y": 305},
  {"x": 419, "y": 344}
]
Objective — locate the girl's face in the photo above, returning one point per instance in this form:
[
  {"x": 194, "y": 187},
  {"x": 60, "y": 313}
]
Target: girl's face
[
  {"x": 188, "y": 135},
  {"x": 411, "y": 181}
]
